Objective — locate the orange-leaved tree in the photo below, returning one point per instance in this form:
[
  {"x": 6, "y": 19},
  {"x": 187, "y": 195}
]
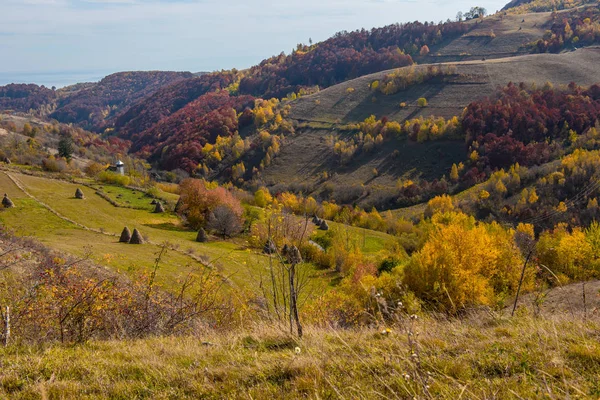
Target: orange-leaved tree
[{"x": 198, "y": 200}]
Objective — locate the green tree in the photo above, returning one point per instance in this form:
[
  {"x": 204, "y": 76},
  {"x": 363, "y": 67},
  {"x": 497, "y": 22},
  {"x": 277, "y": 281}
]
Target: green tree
[{"x": 65, "y": 147}]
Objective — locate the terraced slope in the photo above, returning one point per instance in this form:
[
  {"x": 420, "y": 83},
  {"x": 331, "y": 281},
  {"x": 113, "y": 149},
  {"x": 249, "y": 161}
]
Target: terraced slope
[
  {"x": 307, "y": 155},
  {"x": 474, "y": 79}
]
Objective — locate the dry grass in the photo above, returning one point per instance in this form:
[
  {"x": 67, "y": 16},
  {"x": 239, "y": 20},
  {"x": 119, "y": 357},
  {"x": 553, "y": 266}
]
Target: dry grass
[{"x": 484, "y": 356}]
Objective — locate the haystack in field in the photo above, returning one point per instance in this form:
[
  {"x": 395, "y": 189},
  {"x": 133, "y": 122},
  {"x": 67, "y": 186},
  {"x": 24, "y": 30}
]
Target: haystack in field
[
  {"x": 293, "y": 255},
  {"x": 136, "y": 238},
  {"x": 79, "y": 194},
  {"x": 125, "y": 235},
  {"x": 159, "y": 208},
  {"x": 324, "y": 225},
  {"x": 202, "y": 236},
  {"x": 6, "y": 202},
  {"x": 178, "y": 205},
  {"x": 269, "y": 247}
]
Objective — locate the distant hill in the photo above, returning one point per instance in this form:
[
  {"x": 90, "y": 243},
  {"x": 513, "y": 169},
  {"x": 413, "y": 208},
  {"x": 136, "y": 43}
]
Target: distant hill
[
  {"x": 166, "y": 101},
  {"x": 516, "y": 3},
  {"x": 24, "y": 98},
  {"x": 93, "y": 106},
  {"x": 305, "y": 157},
  {"x": 190, "y": 128}
]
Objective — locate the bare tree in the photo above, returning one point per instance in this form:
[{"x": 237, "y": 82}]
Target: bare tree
[
  {"x": 288, "y": 278},
  {"x": 224, "y": 221}
]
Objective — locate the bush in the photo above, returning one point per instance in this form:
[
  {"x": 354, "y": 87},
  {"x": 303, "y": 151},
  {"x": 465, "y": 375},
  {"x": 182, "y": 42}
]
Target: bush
[
  {"x": 53, "y": 165},
  {"x": 113, "y": 178},
  {"x": 93, "y": 168},
  {"x": 225, "y": 221},
  {"x": 439, "y": 204},
  {"x": 422, "y": 102},
  {"x": 388, "y": 265},
  {"x": 465, "y": 264}
]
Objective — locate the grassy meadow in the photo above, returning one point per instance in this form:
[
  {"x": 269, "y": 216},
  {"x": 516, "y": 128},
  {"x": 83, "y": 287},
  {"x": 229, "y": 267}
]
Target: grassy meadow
[{"x": 234, "y": 259}]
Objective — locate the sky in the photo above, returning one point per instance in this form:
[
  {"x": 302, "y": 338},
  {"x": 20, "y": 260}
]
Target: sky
[{"x": 75, "y": 40}]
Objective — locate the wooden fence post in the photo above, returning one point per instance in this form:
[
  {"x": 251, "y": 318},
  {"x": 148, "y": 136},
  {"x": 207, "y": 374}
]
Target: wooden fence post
[{"x": 7, "y": 326}]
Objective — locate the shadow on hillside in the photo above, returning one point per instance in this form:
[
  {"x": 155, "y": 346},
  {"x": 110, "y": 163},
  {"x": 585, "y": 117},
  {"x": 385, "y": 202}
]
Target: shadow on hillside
[{"x": 167, "y": 226}]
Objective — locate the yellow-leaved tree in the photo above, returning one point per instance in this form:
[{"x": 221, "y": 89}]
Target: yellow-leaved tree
[{"x": 465, "y": 263}]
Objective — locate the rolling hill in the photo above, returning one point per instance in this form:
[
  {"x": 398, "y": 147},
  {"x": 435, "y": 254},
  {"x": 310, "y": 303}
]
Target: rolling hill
[{"x": 328, "y": 88}]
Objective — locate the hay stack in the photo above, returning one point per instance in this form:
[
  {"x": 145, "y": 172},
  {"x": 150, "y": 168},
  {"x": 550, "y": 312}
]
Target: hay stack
[
  {"x": 202, "y": 236},
  {"x": 324, "y": 225},
  {"x": 178, "y": 205},
  {"x": 269, "y": 247},
  {"x": 136, "y": 238},
  {"x": 6, "y": 202},
  {"x": 159, "y": 208},
  {"x": 79, "y": 194},
  {"x": 125, "y": 235},
  {"x": 293, "y": 255}
]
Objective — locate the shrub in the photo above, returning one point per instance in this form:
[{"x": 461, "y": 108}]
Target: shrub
[
  {"x": 225, "y": 220},
  {"x": 197, "y": 202},
  {"x": 113, "y": 178},
  {"x": 439, "y": 204},
  {"x": 93, "y": 168},
  {"x": 422, "y": 102},
  {"x": 465, "y": 264},
  {"x": 53, "y": 165},
  {"x": 388, "y": 265}
]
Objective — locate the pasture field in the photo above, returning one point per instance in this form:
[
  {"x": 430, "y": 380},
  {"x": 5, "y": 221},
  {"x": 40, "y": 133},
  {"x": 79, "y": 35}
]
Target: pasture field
[{"x": 90, "y": 227}]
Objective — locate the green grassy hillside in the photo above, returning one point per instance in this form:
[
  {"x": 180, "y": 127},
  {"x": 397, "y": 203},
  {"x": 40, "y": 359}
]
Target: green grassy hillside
[
  {"x": 105, "y": 222},
  {"x": 93, "y": 225}
]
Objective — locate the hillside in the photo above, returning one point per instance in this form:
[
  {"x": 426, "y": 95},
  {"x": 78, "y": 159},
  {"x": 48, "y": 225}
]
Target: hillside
[
  {"x": 55, "y": 218},
  {"x": 484, "y": 54},
  {"x": 95, "y": 106},
  {"x": 92, "y": 106},
  {"x": 307, "y": 155},
  {"x": 473, "y": 80},
  {"x": 405, "y": 212}
]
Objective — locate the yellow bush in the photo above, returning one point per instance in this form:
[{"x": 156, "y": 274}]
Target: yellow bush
[
  {"x": 464, "y": 264},
  {"x": 439, "y": 204}
]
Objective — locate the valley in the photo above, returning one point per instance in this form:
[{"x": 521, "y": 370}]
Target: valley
[{"x": 406, "y": 211}]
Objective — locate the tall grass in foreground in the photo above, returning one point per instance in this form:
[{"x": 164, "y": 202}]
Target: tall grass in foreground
[{"x": 484, "y": 356}]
